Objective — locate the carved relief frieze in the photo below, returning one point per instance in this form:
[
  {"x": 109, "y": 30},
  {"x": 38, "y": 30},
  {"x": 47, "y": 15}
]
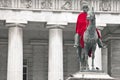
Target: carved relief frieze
[
  {"x": 5, "y": 3},
  {"x": 105, "y": 5},
  {"x": 46, "y": 4},
  {"x": 67, "y": 5},
  {"x": 26, "y": 3}
]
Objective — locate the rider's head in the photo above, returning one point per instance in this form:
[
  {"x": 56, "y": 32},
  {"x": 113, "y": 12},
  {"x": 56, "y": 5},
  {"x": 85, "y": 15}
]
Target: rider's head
[{"x": 85, "y": 6}]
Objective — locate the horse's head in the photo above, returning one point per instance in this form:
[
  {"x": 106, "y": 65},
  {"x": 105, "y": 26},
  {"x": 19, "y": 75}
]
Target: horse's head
[
  {"x": 92, "y": 21},
  {"x": 91, "y": 15}
]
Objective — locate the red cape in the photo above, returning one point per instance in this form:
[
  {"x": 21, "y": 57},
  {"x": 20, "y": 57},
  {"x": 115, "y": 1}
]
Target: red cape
[{"x": 81, "y": 26}]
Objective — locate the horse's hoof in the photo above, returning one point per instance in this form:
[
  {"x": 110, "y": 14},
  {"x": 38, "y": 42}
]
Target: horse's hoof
[{"x": 97, "y": 68}]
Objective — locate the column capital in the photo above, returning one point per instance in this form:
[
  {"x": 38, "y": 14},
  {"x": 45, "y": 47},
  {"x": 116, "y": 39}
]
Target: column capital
[
  {"x": 55, "y": 26},
  {"x": 22, "y": 25}
]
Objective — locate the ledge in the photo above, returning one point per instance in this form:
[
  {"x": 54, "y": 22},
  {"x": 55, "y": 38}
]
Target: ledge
[{"x": 58, "y": 11}]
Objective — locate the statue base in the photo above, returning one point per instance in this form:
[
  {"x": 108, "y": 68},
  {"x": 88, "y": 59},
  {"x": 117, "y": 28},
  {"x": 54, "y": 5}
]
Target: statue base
[{"x": 90, "y": 76}]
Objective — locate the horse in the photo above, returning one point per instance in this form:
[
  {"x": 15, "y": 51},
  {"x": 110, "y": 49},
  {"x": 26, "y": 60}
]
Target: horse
[{"x": 90, "y": 38}]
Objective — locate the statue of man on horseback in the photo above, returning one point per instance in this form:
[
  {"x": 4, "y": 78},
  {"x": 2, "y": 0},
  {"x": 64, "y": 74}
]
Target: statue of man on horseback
[{"x": 87, "y": 36}]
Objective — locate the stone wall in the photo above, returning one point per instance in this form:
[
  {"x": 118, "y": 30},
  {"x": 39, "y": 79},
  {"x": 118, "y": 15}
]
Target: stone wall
[
  {"x": 3, "y": 62},
  {"x": 40, "y": 62},
  {"x": 114, "y": 53},
  {"x": 28, "y": 56},
  {"x": 71, "y": 63}
]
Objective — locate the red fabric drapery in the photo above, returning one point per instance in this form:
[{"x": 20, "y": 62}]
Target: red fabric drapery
[{"x": 81, "y": 26}]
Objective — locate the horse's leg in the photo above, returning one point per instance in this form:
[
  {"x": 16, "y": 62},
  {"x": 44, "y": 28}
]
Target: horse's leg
[
  {"x": 82, "y": 60},
  {"x": 93, "y": 56},
  {"x": 79, "y": 53},
  {"x": 86, "y": 60},
  {"x": 79, "y": 56}
]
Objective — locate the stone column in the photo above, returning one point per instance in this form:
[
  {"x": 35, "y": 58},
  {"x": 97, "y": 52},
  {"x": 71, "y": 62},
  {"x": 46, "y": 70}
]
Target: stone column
[
  {"x": 15, "y": 52},
  {"x": 55, "y": 67}
]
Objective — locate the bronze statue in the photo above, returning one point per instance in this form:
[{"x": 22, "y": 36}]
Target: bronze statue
[{"x": 86, "y": 37}]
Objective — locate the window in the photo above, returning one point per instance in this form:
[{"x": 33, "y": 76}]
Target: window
[{"x": 25, "y": 69}]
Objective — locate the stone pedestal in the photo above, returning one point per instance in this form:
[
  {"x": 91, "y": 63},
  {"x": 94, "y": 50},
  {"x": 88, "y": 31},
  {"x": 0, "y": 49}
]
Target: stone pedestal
[{"x": 90, "y": 76}]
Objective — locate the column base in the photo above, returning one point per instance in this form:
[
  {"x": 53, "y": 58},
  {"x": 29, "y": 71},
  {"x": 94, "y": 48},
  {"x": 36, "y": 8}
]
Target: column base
[{"x": 90, "y": 76}]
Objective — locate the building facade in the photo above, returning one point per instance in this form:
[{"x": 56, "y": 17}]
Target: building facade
[{"x": 37, "y": 36}]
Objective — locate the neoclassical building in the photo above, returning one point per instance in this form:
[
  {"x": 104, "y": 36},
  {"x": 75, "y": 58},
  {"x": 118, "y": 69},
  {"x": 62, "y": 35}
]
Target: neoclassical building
[{"x": 37, "y": 36}]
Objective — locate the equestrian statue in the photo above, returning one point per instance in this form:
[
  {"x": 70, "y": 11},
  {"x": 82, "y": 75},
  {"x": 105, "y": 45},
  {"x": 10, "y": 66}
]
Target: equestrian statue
[{"x": 86, "y": 38}]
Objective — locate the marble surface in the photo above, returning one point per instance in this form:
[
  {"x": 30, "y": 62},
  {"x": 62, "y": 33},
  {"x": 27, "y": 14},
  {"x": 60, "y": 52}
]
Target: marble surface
[{"x": 90, "y": 76}]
